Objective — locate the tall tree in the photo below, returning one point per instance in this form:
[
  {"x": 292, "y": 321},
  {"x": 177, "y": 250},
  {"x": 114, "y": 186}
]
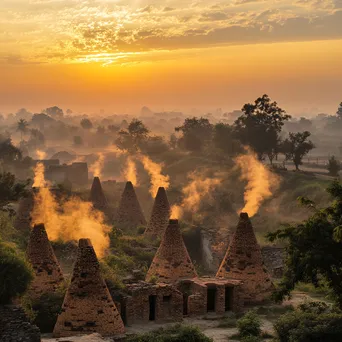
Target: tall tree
[
  {"x": 8, "y": 152},
  {"x": 133, "y": 136},
  {"x": 334, "y": 166},
  {"x": 54, "y": 112},
  {"x": 224, "y": 139},
  {"x": 10, "y": 190},
  {"x": 296, "y": 146},
  {"x": 86, "y": 124},
  {"x": 314, "y": 249},
  {"x": 197, "y": 132},
  {"x": 260, "y": 125},
  {"x": 22, "y": 127}
]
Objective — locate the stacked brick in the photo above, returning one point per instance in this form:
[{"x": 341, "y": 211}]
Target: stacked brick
[
  {"x": 129, "y": 213},
  {"x": 97, "y": 196},
  {"x": 160, "y": 215},
  {"x": 172, "y": 261},
  {"x": 88, "y": 306},
  {"x": 47, "y": 272},
  {"x": 243, "y": 261}
]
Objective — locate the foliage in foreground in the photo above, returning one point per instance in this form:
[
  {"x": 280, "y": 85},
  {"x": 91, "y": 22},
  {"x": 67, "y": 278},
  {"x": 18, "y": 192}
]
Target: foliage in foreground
[
  {"x": 15, "y": 274},
  {"x": 311, "y": 322},
  {"x": 177, "y": 333},
  {"x": 249, "y": 325},
  {"x": 314, "y": 252}
]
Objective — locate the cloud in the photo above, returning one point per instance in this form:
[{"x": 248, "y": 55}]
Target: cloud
[{"x": 213, "y": 16}]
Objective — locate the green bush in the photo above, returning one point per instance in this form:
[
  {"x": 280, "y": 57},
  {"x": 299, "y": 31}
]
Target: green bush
[
  {"x": 249, "y": 325},
  {"x": 177, "y": 333},
  {"x": 311, "y": 322},
  {"x": 15, "y": 274},
  {"x": 44, "y": 311}
]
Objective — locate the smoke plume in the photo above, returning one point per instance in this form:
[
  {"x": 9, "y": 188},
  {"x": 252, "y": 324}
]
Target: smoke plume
[
  {"x": 261, "y": 182},
  {"x": 194, "y": 192},
  {"x": 155, "y": 172},
  {"x": 41, "y": 155},
  {"x": 70, "y": 220},
  {"x": 130, "y": 171},
  {"x": 97, "y": 167}
]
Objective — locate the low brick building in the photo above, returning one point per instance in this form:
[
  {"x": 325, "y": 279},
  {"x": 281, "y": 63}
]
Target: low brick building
[
  {"x": 210, "y": 295},
  {"x": 147, "y": 302},
  {"x": 47, "y": 272}
]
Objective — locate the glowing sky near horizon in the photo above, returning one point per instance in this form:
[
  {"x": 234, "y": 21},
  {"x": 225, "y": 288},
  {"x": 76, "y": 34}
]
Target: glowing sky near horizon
[{"x": 123, "y": 54}]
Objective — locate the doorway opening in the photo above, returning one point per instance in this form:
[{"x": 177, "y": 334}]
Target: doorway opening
[
  {"x": 211, "y": 299},
  {"x": 152, "y": 301}
]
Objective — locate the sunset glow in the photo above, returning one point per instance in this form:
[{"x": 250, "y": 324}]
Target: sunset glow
[{"x": 124, "y": 54}]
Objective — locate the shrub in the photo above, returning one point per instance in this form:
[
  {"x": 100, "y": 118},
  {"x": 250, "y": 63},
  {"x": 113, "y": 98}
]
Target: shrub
[
  {"x": 44, "y": 310},
  {"x": 311, "y": 322},
  {"x": 249, "y": 325},
  {"x": 334, "y": 167},
  {"x": 15, "y": 274},
  {"x": 177, "y": 333}
]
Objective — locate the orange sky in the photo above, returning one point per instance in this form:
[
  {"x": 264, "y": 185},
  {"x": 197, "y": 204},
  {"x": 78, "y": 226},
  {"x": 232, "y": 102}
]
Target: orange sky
[{"x": 121, "y": 55}]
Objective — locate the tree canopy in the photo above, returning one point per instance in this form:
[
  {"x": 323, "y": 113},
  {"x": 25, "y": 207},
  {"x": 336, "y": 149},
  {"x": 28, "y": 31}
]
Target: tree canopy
[
  {"x": 314, "y": 250},
  {"x": 86, "y": 124},
  {"x": 296, "y": 146},
  {"x": 10, "y": 190},
  {"x": 197, "y": 132},
  {"x": 260, "y": 125}
]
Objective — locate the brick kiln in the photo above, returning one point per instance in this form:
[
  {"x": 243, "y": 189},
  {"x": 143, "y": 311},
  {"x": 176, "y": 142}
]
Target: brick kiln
[
  {"x": 129, "y": 212},
  {"x": 97, "y": 197},
  {"x": 243, "y": 261},
  {"x": 88, "y": 306},
  {"x": 48, "y": 274},
  {"x": 160, "y": 215},
  {"x": 172, "y": 261}
]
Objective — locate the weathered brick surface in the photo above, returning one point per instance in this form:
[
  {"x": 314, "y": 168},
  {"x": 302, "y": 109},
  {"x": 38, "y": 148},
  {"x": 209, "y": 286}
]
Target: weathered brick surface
[
  {"x": 274, "y": 260},
  {"x": 47, "y": 272},
  {"x": 160, "y": 215},
  {"x": 168, "y": 303},
  {"x": 243, "y": 261},
  {"x": 88, "y": 306},
  {"x": 15, "y": 326},
  {"x": 129, "y": 212},
  {"x": 172, "y": 261},
  {"x": 97, "y": 197}
]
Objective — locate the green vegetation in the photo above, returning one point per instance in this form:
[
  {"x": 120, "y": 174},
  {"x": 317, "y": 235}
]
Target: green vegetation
[
  {"x": 334, "y": 166},
  {"x": 311, "y": 322},
  {"x": 15, "y": 273},
  {"x": 314, "y": 252},
  {"x": 249, "y": 325},
  {"x": 177, "y": 333},
  {"x": 43, "y": 311}
]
